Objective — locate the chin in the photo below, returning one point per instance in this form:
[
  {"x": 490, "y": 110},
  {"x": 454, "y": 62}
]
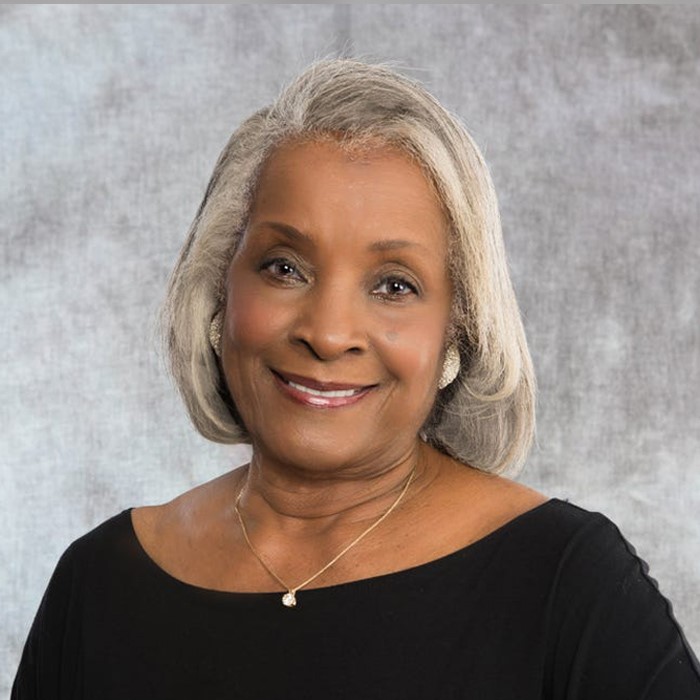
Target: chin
[{"x": 325, "y": 454}]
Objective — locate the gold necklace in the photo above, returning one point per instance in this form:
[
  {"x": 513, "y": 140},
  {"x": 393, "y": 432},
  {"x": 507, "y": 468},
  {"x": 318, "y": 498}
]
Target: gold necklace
[{"x": 289, "y": 599}]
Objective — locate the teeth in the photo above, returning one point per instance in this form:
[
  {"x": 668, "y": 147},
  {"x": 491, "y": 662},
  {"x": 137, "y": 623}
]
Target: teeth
[{"x": 326, "y": 394}]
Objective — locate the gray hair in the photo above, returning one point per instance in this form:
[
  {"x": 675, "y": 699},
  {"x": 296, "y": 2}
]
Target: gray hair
[{"x": 485, "y": 418}]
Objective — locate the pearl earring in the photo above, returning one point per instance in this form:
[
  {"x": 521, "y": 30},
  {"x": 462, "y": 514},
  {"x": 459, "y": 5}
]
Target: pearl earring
[{"x": 450, "y": 367}]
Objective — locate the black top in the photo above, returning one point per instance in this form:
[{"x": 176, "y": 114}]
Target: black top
[{"x": 554, "y": 604}]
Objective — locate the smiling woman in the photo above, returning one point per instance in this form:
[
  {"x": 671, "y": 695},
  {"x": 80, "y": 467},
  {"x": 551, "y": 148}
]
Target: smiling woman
[
  {"x": 343, "y": 305},
  {"x": 486, "y": 418},
  {"x": 338, "y": 297}
]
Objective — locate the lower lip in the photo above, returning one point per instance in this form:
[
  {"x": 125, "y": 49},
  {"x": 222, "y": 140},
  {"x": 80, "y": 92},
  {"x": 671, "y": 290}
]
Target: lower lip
[{"x": 316, "y": 401}]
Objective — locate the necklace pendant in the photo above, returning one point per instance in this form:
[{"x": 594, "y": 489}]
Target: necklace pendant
[{"x": 289, "y": 599}]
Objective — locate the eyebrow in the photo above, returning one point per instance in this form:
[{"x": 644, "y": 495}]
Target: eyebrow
[
  {"x": 394, "y": 244},
  {"x": 379, "y": 246},
  {"x": 288, "y": 231}
]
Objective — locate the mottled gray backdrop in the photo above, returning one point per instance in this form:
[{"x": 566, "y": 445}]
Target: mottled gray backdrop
[{"x": 112, "y": 117}]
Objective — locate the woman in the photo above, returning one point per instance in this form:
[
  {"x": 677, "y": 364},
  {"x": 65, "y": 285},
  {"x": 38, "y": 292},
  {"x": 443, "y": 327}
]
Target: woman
[{"x": 343, "y": 305}]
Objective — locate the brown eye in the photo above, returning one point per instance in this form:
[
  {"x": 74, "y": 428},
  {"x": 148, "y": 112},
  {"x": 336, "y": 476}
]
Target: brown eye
[
  {"x": 395, "y": 287},
  {"x": 283, "y": 269}
]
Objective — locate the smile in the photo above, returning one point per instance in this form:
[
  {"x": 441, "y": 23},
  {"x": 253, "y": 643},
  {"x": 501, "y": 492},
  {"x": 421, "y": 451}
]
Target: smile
[
  {"x": 320, "y": 394},
  {"x": 328, "y": 394}
]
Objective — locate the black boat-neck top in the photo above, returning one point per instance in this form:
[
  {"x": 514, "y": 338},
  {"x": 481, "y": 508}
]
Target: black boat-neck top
[{"x": 553, "y": 605}]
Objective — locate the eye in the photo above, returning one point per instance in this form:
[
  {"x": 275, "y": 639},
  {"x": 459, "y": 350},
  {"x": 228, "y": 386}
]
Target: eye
[
  {"x": 395, "y": 287},
  {"x": 282, "y": 269}
]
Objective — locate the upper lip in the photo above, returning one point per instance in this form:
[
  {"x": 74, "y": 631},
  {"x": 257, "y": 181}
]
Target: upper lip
[{"x": 319, "y": 385}]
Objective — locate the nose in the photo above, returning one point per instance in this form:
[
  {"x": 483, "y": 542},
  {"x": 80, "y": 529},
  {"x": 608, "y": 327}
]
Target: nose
[{"x": 331, "y": 323}]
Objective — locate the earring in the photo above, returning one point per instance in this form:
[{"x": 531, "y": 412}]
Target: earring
[
  {"x": 450, "y": 367},
  {"x": 215, "y": 327}
]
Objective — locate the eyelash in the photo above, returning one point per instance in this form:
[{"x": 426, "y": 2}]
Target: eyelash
[
  {"x": 269, "y": 265},
  {"x": 398, "y": 279}
]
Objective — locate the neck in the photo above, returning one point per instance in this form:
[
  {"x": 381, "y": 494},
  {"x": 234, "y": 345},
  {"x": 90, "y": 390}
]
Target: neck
[{"x": 298, "y": 502}]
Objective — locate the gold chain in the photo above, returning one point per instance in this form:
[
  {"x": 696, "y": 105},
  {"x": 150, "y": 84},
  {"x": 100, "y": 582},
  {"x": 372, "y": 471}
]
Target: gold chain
[{"x": 289, "y": 598}]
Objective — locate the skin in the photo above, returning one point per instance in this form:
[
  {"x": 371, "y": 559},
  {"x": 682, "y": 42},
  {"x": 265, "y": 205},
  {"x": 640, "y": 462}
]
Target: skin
[{"x": 340, "y": 277}]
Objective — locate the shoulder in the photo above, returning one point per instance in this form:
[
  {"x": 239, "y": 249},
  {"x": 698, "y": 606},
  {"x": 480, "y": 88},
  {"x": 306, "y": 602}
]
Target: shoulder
[
  {"x": 165, "y": 530},
  {"x": 553, "y": 525},
  {"x": 114, "y": 528},
  {"x": 615, "y": 633},
  {"x": 557, "y": 521},
  {"x": 114, "y": 533},
  {"x": 93, "y": 556},
  {"x": 593, "y": 549},
  {"x": 600, "y": 575},
  {"x": 53, "y": 646},
  {"x": 590, "y": 554},
  {"x": 463, "y": 504}
]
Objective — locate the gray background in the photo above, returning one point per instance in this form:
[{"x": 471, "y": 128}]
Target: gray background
[{"x": 112, "y": 117}]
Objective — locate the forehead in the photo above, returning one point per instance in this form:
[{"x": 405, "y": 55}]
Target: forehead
[{"x": 370, "y": 189}]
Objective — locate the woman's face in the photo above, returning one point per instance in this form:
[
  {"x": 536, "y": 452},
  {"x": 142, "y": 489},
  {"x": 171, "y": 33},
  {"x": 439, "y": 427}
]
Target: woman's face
[{"x": 338, "y": 300}]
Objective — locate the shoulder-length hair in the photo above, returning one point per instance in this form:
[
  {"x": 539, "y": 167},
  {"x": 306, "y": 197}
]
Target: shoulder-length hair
[{"x": 485, "y": 418}]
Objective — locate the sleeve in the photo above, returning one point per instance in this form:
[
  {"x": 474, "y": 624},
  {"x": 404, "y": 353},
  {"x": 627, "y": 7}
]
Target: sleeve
[
  {"x": 50, "y": 659},
  {"x": 613, "y": 635}
]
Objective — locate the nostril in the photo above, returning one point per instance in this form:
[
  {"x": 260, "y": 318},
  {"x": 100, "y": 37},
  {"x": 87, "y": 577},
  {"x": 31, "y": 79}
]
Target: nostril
[
  {"x": 325, "y": 348},
  {"x": 310, "y": 348}
]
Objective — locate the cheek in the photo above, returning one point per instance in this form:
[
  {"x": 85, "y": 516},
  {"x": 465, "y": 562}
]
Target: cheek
[
  {"x": 412, "y": 350},
  {"x": 252, "y": 323}
]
